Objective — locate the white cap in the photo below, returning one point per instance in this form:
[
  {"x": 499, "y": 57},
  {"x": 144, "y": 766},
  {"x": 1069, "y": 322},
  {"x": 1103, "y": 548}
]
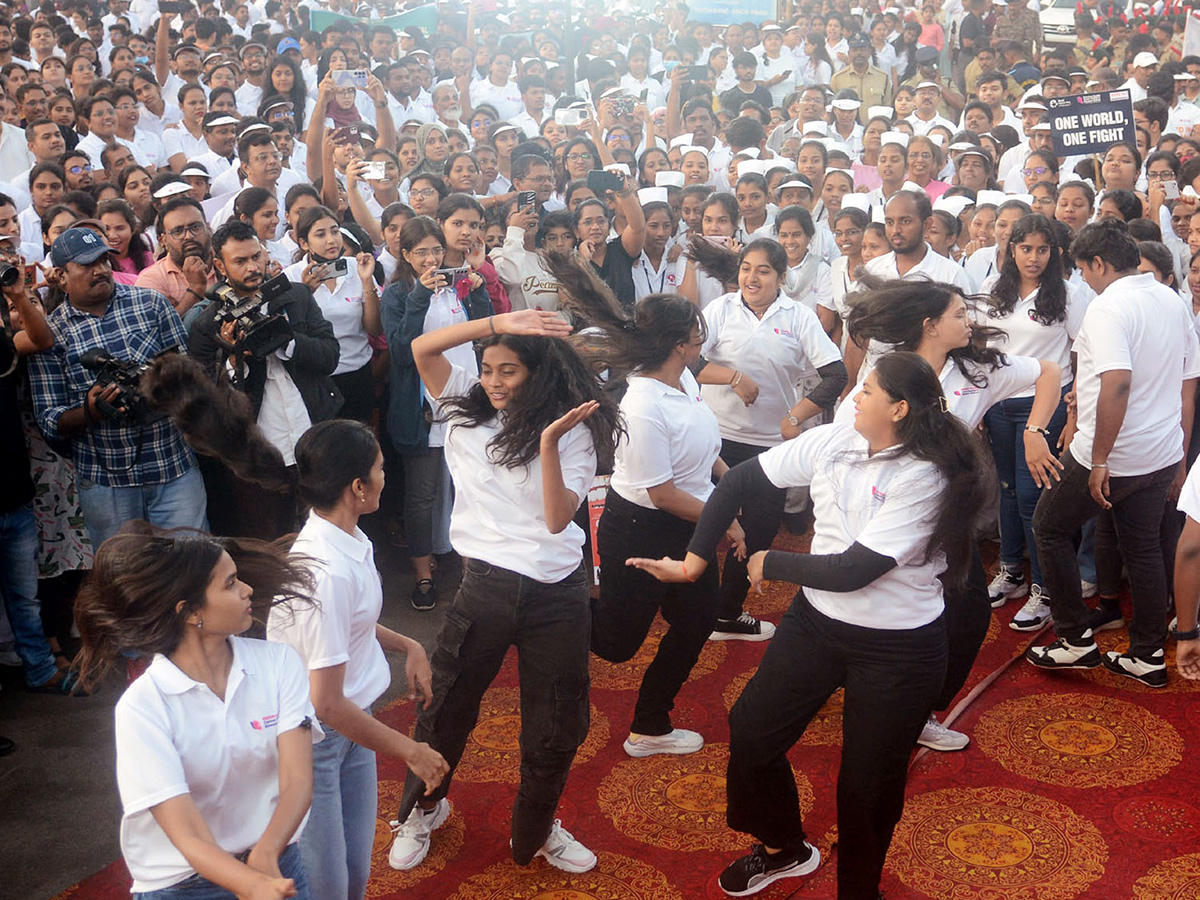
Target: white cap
[
  {"x": 832, "y": 170},
  {"x": 795, "y": 182},
  {"x": 619, "y": 168},
  {"x": 693, "y": 148},
  {"x": 681, "y": 140},
  {"x": 939, "y": 139},
  {"x": 929, "y": 84},
  {"x": 1185, "y": 76},
  {"x": 751, "y": 152},
  {"x": 990, "y": 198},
  {"x": 1032, "y": 101},
  {"x": 976, "y": 151},
  {"x": 751, "y": 167},
  {"x": 912, "y": 186},
  {"x": 669, "y": 179},
  {"x": 769, "y": 28},
  {"x": 953, "y": 205},
  {"x": 885, "y": 111},
  {"x": 1041, "y": 126},
  {"x": 781, "y": 162},
  {"x": 1027, "y": 199},
  {"x": 999, "y": 2},
  {"x": 1144, "y": 60},
  {"x": 815, "y": 127},
  {"x": 899, "y": 138},
  {"x": 652, "y": 195},
  {"x": 847, "y": 104},
  {"x": 960, "y": 146},
  {"x": 857, "y": 201},
  {"x": 613, "y": 92},
  {"x": 171, "y": 188}
]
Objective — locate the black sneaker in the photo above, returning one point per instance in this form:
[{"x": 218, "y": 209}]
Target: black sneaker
[
  {"x": 1150, "y": 671},
  {"x": 1106, "y": 618},
  {"x": 424, "y": 595},
  {"x": 1062, "y": 654},
  {"x": 752, "y": 873},
  {"x": 744, "y": 628}
]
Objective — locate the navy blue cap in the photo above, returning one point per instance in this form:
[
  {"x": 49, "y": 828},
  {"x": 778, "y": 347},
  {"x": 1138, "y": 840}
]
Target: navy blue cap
[{"x": 78, "y": 245}]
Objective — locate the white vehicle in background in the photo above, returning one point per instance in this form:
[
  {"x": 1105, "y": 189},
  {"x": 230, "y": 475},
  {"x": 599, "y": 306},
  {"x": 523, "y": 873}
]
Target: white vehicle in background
[{"x": 1058, "y": 22}]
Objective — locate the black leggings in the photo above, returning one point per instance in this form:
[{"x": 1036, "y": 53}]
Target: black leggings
[{"x": 761, "y": 524}]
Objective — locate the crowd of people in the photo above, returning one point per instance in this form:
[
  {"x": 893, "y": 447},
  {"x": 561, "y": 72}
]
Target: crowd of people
[{"x": 825, "y": 272}]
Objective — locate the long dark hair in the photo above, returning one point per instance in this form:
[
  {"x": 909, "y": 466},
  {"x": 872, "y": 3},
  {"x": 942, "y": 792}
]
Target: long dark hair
[
  {"x": 140, "y": 574},
  {"x": 412, "y": 233},
  {"x": 299, "y": 92},
  {"x": 930, "y": 433},
  {"x": 559, "y": 380},
  {"x": 1051, "y": 302},
  {"x": 894, "y": 312},
  {"x": 330, "y": 456}
]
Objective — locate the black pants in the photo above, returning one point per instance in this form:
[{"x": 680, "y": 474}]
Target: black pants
[
  {"x": 629, "y": 598},
  {"x": 358, "y": 393},
  {"x": 761, "y": 524},
  {"x": 891, "y": 679},
  {"x": 422, "y": 481},
  {"x": 1138, "y": 502},
  {"x": 968, "y": 615},
  {"x": 549, "y": 625}
]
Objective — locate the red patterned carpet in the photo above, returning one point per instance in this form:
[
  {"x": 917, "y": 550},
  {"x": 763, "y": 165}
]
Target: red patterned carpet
[{"x": 1076, "y": 785}]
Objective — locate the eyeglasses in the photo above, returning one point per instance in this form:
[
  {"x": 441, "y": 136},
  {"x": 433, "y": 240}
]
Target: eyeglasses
[
  {"x": 849, "y": 232},
  {"x": 126, "y": 107},
  {"x": 920, "y": 156},
  {"x": 79, "y": 170},
  {"x": 266, "y": 157},
  {"x": 1161, "y": 176},
  {"x": 422, "y": 194},
  {"x": 579, "y": 157},
  {"x": 540, "y": 179},
  {"x": 426, "y": 252},
  {"x": 1035, "y": 170},
  {"x": 194, "y": 229},
  {"x": 275, "y": 116}
]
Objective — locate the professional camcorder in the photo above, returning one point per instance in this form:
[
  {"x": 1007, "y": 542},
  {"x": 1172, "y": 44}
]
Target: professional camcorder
[
  {"x": 129, "y": 407},
  {"x": 257, "y": 331}
]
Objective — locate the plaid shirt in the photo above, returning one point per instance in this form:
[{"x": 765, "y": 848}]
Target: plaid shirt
[{"x": 138, "y": 324}]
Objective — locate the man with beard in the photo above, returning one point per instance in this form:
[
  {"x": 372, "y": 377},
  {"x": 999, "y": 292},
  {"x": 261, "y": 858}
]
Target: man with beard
[
  {"x": 446, "y": 106},
  {"x": 912, "y": 258},
  {"x": 185, "y": 275},
  {"x": 289, "y": 388},
  {"x": 127, "y": 469},
  {"x": 254, "y": 67},
  {"x": 260, "y": 165},
  {"x": 400, "y": 89}
]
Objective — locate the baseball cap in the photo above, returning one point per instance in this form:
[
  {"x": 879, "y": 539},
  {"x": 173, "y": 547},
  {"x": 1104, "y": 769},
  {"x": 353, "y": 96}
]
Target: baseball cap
[
  {"x": 78, "y": 245},
  {"x": 1144, "y": 60},
  {"x": 251, "y": 45},
  {"x": 171, "y": 189},
  {"x": 287, "y": 44}
]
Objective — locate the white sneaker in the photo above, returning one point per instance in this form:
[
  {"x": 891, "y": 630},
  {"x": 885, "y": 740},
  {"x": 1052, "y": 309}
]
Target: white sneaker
[
  {"x": 10, "y": 658},
  {"x": 680, "y": 741},
  {"x": 562, "y": 851},
  {"x": 937, "y": 736},
  {"x": 1009, "y": 584},
  {"x": 1062, "y": 654},
  {"x": 1088, "y": 588},
  {"x": 411, "y": 845},
  {"x": 1034, "y": 614}
]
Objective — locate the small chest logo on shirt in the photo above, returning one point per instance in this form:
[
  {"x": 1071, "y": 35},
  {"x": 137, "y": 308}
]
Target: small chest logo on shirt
[
  {"x": 877, "y": 494},
  {"x": 967, "y": 391},
  {"x": 265, "y": 722},
  {"x": 1040, "y": 319},
  {"x": 783, "y": 332}
]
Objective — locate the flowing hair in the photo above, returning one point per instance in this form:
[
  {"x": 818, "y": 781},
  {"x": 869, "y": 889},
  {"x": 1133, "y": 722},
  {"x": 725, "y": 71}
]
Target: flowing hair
[
  {"x": 894, "y": 313},
  {"x": 1050, "y": 305},
  {"x": 128, "y": 602},
  {"x": 931, "y": 433}
]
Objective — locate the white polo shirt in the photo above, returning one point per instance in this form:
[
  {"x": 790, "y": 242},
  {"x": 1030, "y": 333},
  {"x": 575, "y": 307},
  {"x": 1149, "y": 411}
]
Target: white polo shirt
[
  {"x": 671, "y": 435},
  {"x": 177, "y": 139},
  {"x": 342, "y": 307},
  {"x": 667, "y": 278},
  {"x": 1139, "y": 326},
  {"x": 981, "y": 266},
  {"x": 887, "y": 504},
  {"x": 340, "y": 627},
  {"x": 506, "y": 98},
  {"x": 778, "y": 350},
  {"x": 1028, "y": 335},
  {"x": 934, "y": 267},
  {"x": 1189, "y": 496},
  {"x": 499, "y": 513},
  {"x": 174, "y": 736}
]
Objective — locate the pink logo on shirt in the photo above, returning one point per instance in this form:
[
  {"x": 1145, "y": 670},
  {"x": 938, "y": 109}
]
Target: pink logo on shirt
[
  {"x": 266, "y": 722},
  {"x": 967, "y": 391},
  {"x": 784, "y": 332},
  {"x": 877, "y": 494}
]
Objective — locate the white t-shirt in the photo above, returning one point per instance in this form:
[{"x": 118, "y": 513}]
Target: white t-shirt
[
  {"x": 776, "y": 351},
  {"x": 1139, "y": 326},
  {"x": 981, "y": 266},
  {"x": 665, "y": 279},
  {"x": 506, "y": 98},
  {"x": 1189, "y": 497},
  {"x": 1051, "y": 341},
  {"x": 499, "y": 513},
  {"x": 934, "y": 267},
  {"x": 343, "y": 308},
  {"x": 174, "y": 736},
  {"x": 177, "y": 139},
  {"x": 671, "y": 435},
  {"x": 445, "y": 309},
  {"x": 772, "y": 68},
  {"x": 887, "y": 504},
  {"x": 340, "y": 627}
]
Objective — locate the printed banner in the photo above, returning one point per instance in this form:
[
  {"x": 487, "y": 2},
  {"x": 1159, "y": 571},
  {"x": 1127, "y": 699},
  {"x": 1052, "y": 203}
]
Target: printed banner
[
  {"x": 1091, "y": 123},
  {"x": 726, "y": 12},
  {"x": 423, "y": 17}
]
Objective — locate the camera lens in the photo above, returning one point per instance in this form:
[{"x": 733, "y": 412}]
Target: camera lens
[{"x": 9, "y": 275}]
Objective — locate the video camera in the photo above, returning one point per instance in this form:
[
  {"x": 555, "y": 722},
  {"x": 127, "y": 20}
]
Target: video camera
[
  {"x": 258, "y": 332},
  {"x": 129, "y": 407}
]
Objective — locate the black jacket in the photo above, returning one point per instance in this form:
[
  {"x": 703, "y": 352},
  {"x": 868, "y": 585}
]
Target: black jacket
[{"x": 312, "y": 363}]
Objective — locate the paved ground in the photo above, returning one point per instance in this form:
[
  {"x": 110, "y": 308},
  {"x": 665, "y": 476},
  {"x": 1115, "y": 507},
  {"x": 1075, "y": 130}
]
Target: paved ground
[{"x": 59, "y": 813}]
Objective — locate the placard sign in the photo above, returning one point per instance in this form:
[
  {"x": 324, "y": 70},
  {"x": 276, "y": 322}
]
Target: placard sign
[{"x": 1091, "y": 123}]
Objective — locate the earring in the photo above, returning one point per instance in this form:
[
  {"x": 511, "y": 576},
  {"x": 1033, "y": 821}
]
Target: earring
[{"x": 199, "y": 623}]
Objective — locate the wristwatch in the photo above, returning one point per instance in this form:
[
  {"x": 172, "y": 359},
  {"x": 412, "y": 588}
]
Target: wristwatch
[
  {"x": 793, "y": 421},
  {"x": 1042, "y": 431},
  {"x": 1185, "y": 635}
]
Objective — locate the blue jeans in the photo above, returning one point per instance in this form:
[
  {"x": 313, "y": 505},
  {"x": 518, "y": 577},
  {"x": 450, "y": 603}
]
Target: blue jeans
[
  {"x": 1005, "y": 424},
  {"x": 200, "y": 888},
  {"x": 177, "y": 504},
  {"x": 340, "y": 832},
  {"x": 19, "y": 585}
]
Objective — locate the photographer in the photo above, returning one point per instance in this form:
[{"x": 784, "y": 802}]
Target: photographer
[
  {"x": 128, "y": 467},
  {"x": 289, "y": 383}
]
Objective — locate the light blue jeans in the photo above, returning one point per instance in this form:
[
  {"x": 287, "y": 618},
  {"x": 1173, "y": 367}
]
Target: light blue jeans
[
  {"x": 340, "y": 833},
  {"x": 181, "y": 503},
  {"x": 18, "y": 587},
  {"x": 200, "y": 888}
]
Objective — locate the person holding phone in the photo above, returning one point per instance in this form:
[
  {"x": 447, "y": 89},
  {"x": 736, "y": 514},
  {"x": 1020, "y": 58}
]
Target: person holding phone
[
  {"x": 612, "y": 258},
  {"x": 348, "y": 296},
  {"x": 776, "y": 70}
]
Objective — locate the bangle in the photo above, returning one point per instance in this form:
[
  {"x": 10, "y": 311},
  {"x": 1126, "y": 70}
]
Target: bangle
[
  {"x": 683, "y": 568},
  {"x": 492, "y": 323},
  {"x": 737, "y": 376},
  {"x": 1096, "y": 465}
]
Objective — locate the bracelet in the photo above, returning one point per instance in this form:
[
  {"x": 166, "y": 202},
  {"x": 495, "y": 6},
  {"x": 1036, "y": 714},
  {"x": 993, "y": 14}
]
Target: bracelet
[
  {"x": 1036, "y": 430},
  {"x": 683, "y": 568},
  {"x": 1190, "y": 635},
  {"x": 381, "y": 105},
  {"x": 195, "y": 293},
  {"x": 492, "y": 323},
  {"x": 737, "y": 376},
  {"x": 1099, "y": 465}
]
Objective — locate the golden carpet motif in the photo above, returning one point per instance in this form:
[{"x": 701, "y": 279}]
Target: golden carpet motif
[
  {"x": 615, "y": 877},
  {"x": 627, "y": 676},
  {"x": 1174, "y": 879},
  {"x": 446, "y": 844},
  {"x": 1079, "y": 740}
]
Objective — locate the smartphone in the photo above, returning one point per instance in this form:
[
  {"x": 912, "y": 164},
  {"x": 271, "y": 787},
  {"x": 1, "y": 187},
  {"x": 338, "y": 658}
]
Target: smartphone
[
  {"x": 526, "y": 198},
  {"x": 571, "y": 117},
  {"x": 339, "y": 266},
  {"x": 172, "y": 7},
  {"x": 697, "y": 73},
  {"x": 276, "y": 287},
  {"x": 600, "y": 182},
  {"x": 454, "y": 274},
  {"x": 669, "y": 65},
  {"x": 375, "y": 170},
  {"x": 644, "y": 94},
  {"x": 1171, "y": 190},
  {"x": 623, "y": 106},
  {"x": 31, "y": 275},
  {"x": 355, "y": 78},
  {"x": 718, "y": 240}
]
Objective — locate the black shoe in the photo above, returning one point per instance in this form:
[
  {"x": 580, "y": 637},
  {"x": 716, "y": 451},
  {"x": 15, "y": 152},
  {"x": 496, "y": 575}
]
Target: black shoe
[
  {"x": 1062, "y": 654},
  {"x": 1149, "y": 670},
  {"x": 6, "y": 746},
  {"x": 1106, "y": 618},
  {"x": 424, "y": 595},
  {"x": 752, "y": 873}
]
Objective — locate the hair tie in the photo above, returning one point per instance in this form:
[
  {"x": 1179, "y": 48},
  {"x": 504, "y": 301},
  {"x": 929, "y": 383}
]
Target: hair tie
[
  {"x": 628, "y": 326},
  {"x": 943, "y": 405}
]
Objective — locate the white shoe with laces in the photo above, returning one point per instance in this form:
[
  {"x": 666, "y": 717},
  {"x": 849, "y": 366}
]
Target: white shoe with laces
[
  {"x": 1009, "y": 584},
  {"x": 411, "y": 845},
  {"x": 1034, "y": 614},
  {"x": 679, "y": 741},
  {"x": 937, "y": 736},
  {"x": 562, "y": 851}
]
